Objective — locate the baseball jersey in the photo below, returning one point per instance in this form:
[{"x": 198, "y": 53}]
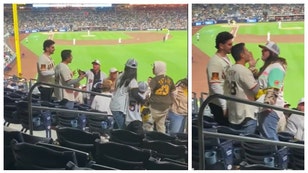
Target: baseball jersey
[
  {"x": 134, "y": 110},
  {"x": 216, "y": 70},
  {"x": 101, "y": 103},
  {"x": 62, "y": 75},
  {"x": 162, "y": 87},
  {"x": 120, "y": 98},
  {"x": 45, "y": 69},
  {"x": 239, "y": 83},
  {"x": 273, "y": 76},
  {"x": 91, "y": 82}
]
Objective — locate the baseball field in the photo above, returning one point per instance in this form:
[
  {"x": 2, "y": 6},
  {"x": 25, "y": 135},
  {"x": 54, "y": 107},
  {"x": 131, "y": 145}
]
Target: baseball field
[
  {"x": 289, "y": 38},
  {"x": 145, "y": 46}
]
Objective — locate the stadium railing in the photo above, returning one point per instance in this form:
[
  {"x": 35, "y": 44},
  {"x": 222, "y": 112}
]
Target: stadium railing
[
  {"x": 31, "y": 107},
  {"x": 202, "y": 132}
]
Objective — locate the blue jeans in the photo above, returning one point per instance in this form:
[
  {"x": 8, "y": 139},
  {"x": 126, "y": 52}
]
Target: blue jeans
[
  {"x": 268, "y": 123},
  {"x": 248, "y": 126},
  {"x": 177, "y": 122},
  {"x": 119, "y": 119}
]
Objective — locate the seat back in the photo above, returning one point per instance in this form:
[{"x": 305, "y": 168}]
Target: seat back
[
  {"x": 78, "y": 139},
  {"x": 126, "y": 137},
  {"x": 121, "y": 156},
  {"x": 71, "y": 119},
  {"x": 35, "y": 139},
  {"x": 154, "y": 135},
  {"x": 100, "y": 123},
  {"x": 166, "y": 149},
  {"x": 82, "y": 158},
  {"x": 254, "y": 153},
  {"x": 30, "y": 156},
  {"x": 8, "y": 154},
  {"x": 297, "y": 157}
]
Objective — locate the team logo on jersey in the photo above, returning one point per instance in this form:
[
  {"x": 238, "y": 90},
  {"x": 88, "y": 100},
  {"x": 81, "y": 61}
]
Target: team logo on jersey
[
  {"x": 276, "y": 82},
  {"x": 215, "y": 76}
]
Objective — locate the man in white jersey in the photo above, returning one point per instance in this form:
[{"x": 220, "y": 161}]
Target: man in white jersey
[
  {"x": 46, "y": 71},
  {"x": 241, "y": 83},
  {"x": 64, "y": 77},
  {"x": 216, "y": 69}
]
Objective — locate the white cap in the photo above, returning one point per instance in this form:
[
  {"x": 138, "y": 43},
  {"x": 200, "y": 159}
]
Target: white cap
[
  {"x": 96, "y": 62},
  {"x": 302, "y": 100},
  {"x": 112, "y": 70},
  {"x": 272, "y": 46}
]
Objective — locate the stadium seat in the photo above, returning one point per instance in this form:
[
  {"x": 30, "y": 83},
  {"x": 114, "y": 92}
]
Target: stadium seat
[
  {"x": 121, "y": 156},
  {"x": 82, "y": 158},
  {"x": 164, "y": 149},
  {"x": 285, "y": 136},
  {"x": 297, "y": 157},
  {"x": 254, "y": 153},
  {"x": 126, "y": 137},
  {"x": 154, "y": 135},
  {"x": 78, "y": 139},
  {"x": 41, "y": 120},
  {"x": 35, "y": 139},
  {"x": 34, "y": 157},
  {"x": 10, "y": 111},
  {"x": 71, "y": 119},
  {"x": 223, "y": 149},
  {"x": 8, "y": 154},
  {"x": 100, "y": 123}
]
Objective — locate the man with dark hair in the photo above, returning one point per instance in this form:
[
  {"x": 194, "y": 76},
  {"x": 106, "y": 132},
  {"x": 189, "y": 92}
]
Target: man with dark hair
[
  {"x": 216, "y": 71},
  {"x": 45, "y": 70},
  {"x": 64, "y": 77},
  {"x": 240, "y": 83}
]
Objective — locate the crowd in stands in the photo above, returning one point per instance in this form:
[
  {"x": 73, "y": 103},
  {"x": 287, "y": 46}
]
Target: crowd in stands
[
  {"x": 114, "y": 18},
  {"x": 9, "y": 57},
  {"x": 200, "y": 12}
]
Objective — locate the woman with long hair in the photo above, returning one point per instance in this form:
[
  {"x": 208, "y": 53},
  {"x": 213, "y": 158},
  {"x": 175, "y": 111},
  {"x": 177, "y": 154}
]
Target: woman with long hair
[
  {"x": 126, "y": 86},
  {"x": 271, "y": 81}
]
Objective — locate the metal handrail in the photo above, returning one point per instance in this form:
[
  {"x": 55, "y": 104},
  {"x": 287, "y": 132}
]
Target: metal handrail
[
  {"x": 29, "y": 99},
  {"x": 254, "y": 103}
]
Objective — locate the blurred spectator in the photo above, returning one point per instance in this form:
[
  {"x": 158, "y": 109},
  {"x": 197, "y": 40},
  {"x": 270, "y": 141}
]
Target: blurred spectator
[{"x": 295, "y": 123}]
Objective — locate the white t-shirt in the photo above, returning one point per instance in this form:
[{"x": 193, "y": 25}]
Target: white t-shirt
[
  {"x": 216, "y": 71},
  {"x": 120, "y": 98},
  {"x": 295, "y": 125},
  {"x": 239, "y": 83},
  {"x": 63, "y": 74},
  {"x": 102, "y": 103}
]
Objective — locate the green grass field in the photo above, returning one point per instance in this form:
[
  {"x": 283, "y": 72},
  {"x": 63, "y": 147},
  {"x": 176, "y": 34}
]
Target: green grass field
[
  {"x": 293, "y": 52},
  {"x": 174, "y": 52}
]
